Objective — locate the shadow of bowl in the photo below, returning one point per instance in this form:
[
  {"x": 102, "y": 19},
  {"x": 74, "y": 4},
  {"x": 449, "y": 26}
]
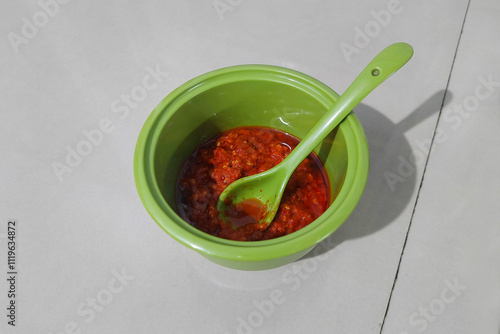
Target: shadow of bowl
[{"x": 392, "y": 179}]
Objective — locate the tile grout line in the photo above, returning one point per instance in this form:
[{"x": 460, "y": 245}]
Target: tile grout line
[{"x": 425, "y": 168}]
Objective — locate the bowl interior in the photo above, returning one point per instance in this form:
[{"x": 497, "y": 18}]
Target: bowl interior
[{"x": 278, "y": 102}]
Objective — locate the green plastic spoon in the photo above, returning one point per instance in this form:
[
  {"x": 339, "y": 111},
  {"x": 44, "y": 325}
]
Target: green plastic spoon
[{"x": 256, "y": 198}]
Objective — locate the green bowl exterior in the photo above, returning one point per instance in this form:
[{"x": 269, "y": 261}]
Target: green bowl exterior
[{"x": 260, "y": 95}]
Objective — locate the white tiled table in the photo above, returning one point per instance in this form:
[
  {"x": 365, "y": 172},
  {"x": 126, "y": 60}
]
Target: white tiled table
[{"x": 421, "y": 252}]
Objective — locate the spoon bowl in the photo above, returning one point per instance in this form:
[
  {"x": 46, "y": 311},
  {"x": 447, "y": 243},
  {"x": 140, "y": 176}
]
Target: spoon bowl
[{"x": 257, "y": 199}]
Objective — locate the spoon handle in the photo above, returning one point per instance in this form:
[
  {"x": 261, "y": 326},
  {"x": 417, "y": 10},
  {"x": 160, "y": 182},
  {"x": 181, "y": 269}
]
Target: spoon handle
[{"x": 380, "y": 68}]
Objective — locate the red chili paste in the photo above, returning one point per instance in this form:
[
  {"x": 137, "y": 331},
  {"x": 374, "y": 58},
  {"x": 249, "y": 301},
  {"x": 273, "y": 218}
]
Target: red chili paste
[{"x": 241, "y": 152}]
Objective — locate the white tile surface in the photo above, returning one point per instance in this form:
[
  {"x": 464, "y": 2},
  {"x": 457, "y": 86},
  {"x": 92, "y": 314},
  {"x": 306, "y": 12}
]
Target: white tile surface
[
  {"x": 75, "y": 235},
  {"x": 455, "y": 233}
]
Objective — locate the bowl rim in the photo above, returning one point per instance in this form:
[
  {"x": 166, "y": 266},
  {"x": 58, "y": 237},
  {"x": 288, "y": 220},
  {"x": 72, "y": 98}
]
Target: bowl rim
[{"x": 307, "y": 237}]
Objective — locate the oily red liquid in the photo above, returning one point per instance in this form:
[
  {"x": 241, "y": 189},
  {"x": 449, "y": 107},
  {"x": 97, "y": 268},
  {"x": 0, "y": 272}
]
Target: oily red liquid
[
  {"x": 241, "y": 152},
  {"x": 248, "y": 211}
]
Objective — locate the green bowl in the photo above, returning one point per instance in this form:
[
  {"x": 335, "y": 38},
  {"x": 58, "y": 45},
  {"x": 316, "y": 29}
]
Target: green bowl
[{"x": 247, "y": 95}]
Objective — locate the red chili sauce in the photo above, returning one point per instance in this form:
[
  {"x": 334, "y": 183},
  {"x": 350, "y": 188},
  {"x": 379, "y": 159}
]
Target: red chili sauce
[{"x": 241, "y": 152}]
